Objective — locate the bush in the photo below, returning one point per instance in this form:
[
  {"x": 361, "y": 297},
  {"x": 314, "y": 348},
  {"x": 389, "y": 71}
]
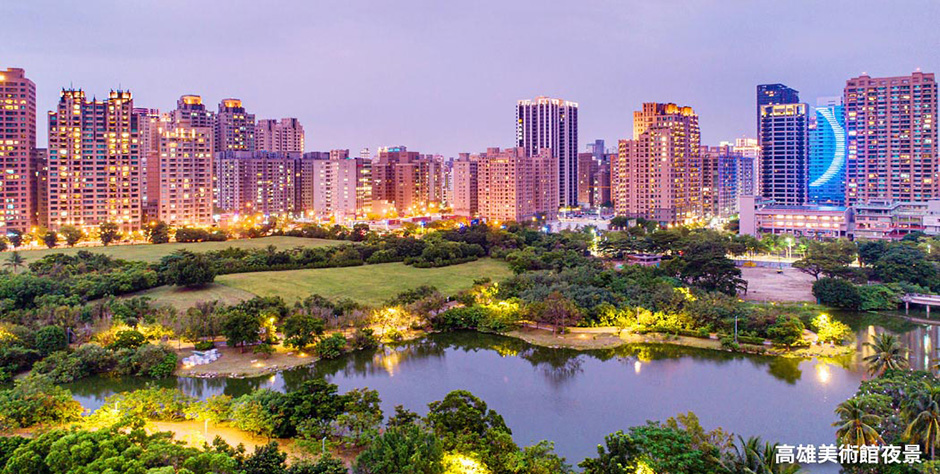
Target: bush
[
  {"x": 127, "y": 339},
  {"x": 364, "y": 339},
  {"x": 727, "y": 342},
  {"x": 838, "y": 293},
  {"x": 879, "y": 297},
  {"x": 788, "y": 330},
  {"x": 51, "y": 339},
  {"x": 203, "y": 345},
  {"x": 331, "y": 347}
]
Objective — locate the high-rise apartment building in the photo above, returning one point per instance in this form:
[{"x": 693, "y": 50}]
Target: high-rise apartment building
[
  {"x": 748, "y": 166},
  {"x": 406, "y": 181},
  {"x": 774, "y": 94},
  {"x": 180, "y": 184},
  {"x": 191, "y": 112},
  {"x": 284, "y": 135},
  {"x": 891, "y": 132},
  {"x": 257, "y": 182},
  {"x": 94, "y": 162},
  {"x": 720, "y": 180},
  {"x": 784, "y": 142},
  {"x": 17, "y": 151},
  {"x": 513, "y": 185},
  {"x": 339, "y": 186},
  {"x": 546, "y": 123},
  {"x": 658, "y": 174},
  {"x": 466, "y": 202},
  {"x": 587, "y": 171},
  {"x": 150, "y": 124},
  {"x": 234, "y": 127},
  {"x": 41, "y": 185},
  {"x": 827, "y": 150}
]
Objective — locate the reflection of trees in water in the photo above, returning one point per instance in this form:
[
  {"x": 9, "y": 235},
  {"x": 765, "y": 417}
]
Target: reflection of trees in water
[
  {"x": 558, "y": 365},
  {"x": 921, "y": 341}
]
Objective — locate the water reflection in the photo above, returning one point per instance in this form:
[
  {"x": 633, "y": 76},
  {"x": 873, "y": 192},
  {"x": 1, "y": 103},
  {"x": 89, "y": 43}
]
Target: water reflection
[{"x": 920, "y": 340}]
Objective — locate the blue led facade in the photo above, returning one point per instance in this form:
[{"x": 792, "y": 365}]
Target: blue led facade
[{"x": 827, "y": 150}]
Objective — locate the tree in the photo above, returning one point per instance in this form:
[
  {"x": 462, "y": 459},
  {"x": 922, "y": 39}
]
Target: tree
[
  {"x": 158, "y": 232},
  {"x": 72, "y": 234},
  {"x": 361, "y": 419},
  {"x": 267, "y": 459},
  {"x": 703, "y": 263},
  {"x": 326, "y": 464},
  {"x": 557, "y": 311},
  {"x": 15, "y": 261},
  {"x": 15, "y": 237},
  {"x": 407, "y": 450},
  {"x": 856, "y": 425},
  {"x": 888, "y": 354},
  {"x": 831, "y": 330},
  {"x": 924, "y": 427},
  {"x": 50, "y": 238},
  {"x": 905, "y": 263},
  {"x": 302, "y": 330},
  {"x": 827, "y": 258},
  {"x": 837, "y": 293},
  {"x": 465, "y": 424},
  {"x": 187, "y": 269},
  {"x": 651, "y": 448},
  {"x": 108, "y": 232},
  {"x": 331, "y": 347},
  {"x": 240, "y": 328}
]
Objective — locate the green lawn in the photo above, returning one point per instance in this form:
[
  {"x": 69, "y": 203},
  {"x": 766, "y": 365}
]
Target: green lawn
[
  {"x": 153, "y": 253},
  {"x": 367, "y": 284}
]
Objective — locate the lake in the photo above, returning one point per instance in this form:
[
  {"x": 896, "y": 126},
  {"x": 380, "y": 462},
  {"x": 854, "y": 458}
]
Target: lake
[{"x": 576, "y": 398}]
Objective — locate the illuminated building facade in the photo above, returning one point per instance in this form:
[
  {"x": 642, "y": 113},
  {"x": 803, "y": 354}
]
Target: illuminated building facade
[
  {"x": 184, "y": 176},
  {"x": 827, "y": 150},
  {"x": 284, "y": 135},
  {"x": 546, "y": 123},
  {"x": 513, "y": 185},
  {"x": 658, "y": 174},
  {"x": 760, "y": 216},
  {"x": 257, "y": 182},
  {"x": 234, "y": 127},
  {"x": 784, "y": 160},
  {"x": 720, "y": 181},
  {"x": 466, "y": 201},
  {"x": 338, "y": 186},
  {"x": 748, "y": 166},
  {"x": 94, "y": 162},
  {"x": 890, "y": 125},
  {"x": 406, "y": 181},
  {"x": 18, "y": 157}
]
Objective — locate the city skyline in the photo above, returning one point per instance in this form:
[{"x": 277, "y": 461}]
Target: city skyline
[{"x": 356, "y": 61}]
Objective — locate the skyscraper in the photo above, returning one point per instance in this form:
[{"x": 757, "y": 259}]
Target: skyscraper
[
  {"x": 234, "y": 127},
  {"x": 827, "y": 149},
  {"x": 18, "y": 153},
  {"x": 774, "y": 94},
  {"x": 465, "y": 195},
  {"x": 94, "y": 162},
  {"x": 890, "y": 125},
  {"x": 546, "y": 123},
  {"x": 720, "y": 166},
  {"x": 658, "y": 174},
  {"x": 748, "y": 166},
  {"x": 284, "y": 135},
  {"x": 257, "y": 182},
  {"x": 180, "y": 181},
  {"x": 783, "y": 139}
]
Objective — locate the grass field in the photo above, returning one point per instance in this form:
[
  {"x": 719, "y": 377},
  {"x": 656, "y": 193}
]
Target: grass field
[
  {"x": 367, "y": 284},
  {"x": 153, "y": 253}
]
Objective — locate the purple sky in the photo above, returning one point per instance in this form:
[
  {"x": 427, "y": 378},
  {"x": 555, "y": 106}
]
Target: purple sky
[{"x": 442, "y": 76}]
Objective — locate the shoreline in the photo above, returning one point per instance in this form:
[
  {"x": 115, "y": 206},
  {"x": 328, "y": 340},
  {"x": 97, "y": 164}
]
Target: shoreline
[{"x": 239, "y": 365}]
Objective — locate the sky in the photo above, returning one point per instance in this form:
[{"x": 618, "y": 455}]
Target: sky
[{"x": 443, "y": 76}]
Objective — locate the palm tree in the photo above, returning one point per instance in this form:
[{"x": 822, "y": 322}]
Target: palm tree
[
  {"x": 924, "y": 414},
  {"x": 889, "y": 354},
  {"x": 855, "y": 425},
  {"x": 757, "y": 457},
  {"x": 15, "y": 261}
]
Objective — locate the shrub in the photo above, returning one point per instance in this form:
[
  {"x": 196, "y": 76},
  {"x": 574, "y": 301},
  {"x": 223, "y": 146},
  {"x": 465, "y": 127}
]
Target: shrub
[
  {"x": 727, "y": 342},
  {"x": 879, "y": 297},
  {"x": 263, "y": 349},
  {"x": 203, "y": 345},
  {"x": 788, "y": 330},
  {"x": 51, "y": 339},
  {"x": 127, "y": 339},
  {"x": 155, "y": 361},
  {"x": 364, "y": 338},
  {"x": 838, "y": 293},
  {"x": 331, "y": 347}
]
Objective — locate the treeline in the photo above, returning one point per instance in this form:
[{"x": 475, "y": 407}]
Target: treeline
[{"x": 459, "y": 433}]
